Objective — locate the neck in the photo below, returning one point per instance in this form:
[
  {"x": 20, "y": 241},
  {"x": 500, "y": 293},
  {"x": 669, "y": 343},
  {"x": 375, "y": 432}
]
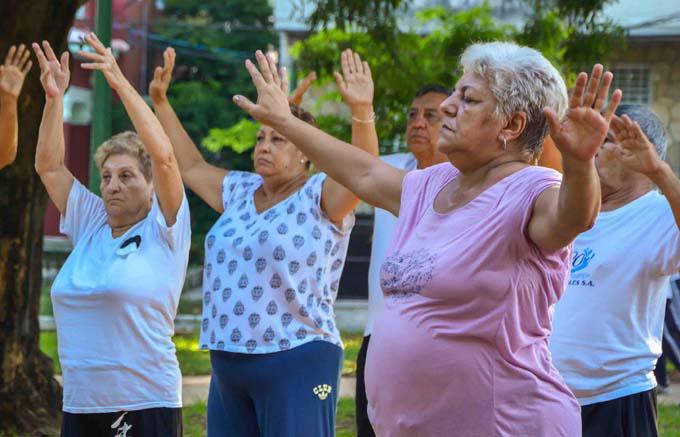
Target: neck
[
  {"x": 273, "y": 187},
  {"x": 616, "y": 198},
  {"x": 118, "y": 229},
  {"x": 478, "y": 176},
  {"x": 121, "y": 224}
]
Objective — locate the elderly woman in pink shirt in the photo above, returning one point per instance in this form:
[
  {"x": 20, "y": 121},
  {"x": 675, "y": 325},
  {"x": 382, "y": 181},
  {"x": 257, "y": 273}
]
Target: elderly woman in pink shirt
[{"x": 481, "y": 251}]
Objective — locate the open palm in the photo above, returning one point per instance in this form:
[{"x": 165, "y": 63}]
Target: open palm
[
  {"x": 158, "y": 88},
  {"x": 14, "y": 70},
  {"x": 355, "y": 83},
  {"x": 583, "y": 130},
  {"x": 633, "y": 147},
  {"x": 54, "y": 73}
]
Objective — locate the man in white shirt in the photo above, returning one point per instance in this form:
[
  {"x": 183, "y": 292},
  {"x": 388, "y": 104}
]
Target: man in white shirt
[
  {"x": 607, "y": 327},
  {"x": 422, "y": 133}
]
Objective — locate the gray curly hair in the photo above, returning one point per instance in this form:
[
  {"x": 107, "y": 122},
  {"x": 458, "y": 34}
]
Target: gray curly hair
[{"x": 522, "y": 80}]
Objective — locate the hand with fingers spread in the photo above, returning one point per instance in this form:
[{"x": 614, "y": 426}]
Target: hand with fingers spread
[
  {"x": 355, "y": 83},
  {"x": 581, "y": 133},
  {"x": 14, "y": 70},
  {"x": 272, "y": 106},
  {"x": 54, "y": 73},
  {"x": 296, "y": 96},
  {"x": 158, "y": 88},
  {"x": 633, "y": 148},
  {"x": 103, "y": 60}
]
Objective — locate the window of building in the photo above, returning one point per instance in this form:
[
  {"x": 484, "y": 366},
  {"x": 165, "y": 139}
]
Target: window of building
[{"x": 635, "y": 81}]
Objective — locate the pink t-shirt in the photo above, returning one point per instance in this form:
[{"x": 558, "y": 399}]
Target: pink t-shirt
[{"x": 462, "y": 346}]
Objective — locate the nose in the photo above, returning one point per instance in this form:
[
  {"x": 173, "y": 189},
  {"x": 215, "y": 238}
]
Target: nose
[
  {"x": 420, "y": 121},
  {"x": 449, "y": 107},
  {"x": 263, "y": 146},
  {"x": 113, "y": 185}
]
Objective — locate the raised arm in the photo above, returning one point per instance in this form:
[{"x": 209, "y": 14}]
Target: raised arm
[
  {"x": 202, "y": 178},
  {"x": 559, "y": 215},
  {"x": 372, "y": 180},
  {"x": 12, "y": 75},
  {"x": 167, "y": 181},
  {"x": 49, "y": 153},
  {"x": 638, "y": 154},
  {"x": 356, "y": 87}
]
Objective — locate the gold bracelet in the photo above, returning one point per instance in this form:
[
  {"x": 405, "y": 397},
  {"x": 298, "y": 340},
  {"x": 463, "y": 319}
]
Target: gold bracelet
[{"x": 371, "y": 119}]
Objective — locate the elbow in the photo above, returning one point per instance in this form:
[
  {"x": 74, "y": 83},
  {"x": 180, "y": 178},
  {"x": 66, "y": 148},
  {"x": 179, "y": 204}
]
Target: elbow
[{"x": 165, "y": 161}]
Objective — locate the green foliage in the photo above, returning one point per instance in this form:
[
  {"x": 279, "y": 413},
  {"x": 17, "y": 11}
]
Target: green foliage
[
  {"x": 212, "y": 39},
  {"x": 399, "y": 68},
  {"x": 240, "y": 137},
  {"x": 570, "y": 33}
]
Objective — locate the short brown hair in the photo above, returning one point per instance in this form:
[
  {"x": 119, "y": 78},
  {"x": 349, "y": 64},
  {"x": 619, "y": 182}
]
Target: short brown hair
[
  {"x": 303, "y": 115},
  {"x": 125, "y": 143}
]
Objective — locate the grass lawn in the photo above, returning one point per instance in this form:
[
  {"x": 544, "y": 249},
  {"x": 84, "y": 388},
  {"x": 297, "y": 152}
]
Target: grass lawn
[
  {"x": 193, "y": 361},
  {"x": 669, "y": 420},
  {"x": 195, "y": 419}
]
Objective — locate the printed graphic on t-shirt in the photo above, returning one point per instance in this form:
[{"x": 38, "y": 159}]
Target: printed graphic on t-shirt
[
  {"x": 406, "y": 274},
  {"x": 580, "y": 262}
]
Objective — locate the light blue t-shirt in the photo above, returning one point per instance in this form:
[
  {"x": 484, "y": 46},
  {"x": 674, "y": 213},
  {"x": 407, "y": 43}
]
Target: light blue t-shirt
[
  {"x": 608, "y": 325},
  {"x": 115, "y": 301}
]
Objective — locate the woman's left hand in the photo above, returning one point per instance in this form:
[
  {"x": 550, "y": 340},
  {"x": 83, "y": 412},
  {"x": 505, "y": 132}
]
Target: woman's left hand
[
  {"x": 582, "y": 131},
  {"x": 104, "y": 61}
]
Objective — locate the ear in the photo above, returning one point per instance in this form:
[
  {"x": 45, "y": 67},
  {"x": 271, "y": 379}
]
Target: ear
[{"x": 514, "y": 126}]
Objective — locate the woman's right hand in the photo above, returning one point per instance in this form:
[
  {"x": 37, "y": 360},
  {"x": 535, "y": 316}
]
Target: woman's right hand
[
  {"x": 158, "y": 88},
  {"x": 355, "y": 83},
  {"x": 54, "y": 74}
]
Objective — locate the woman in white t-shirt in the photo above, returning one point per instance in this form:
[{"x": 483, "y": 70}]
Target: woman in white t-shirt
[
  {"x": 116, "y": 296},
  {"x": 272, "y": 268}
]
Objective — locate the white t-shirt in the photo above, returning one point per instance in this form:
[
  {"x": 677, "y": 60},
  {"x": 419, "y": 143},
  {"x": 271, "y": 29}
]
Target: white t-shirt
[
  {"x": 383, "y": 228},
  {"x": 271, "y": 278},
  {"x": 115, "y": 303},
  {"x": 607, "y": 327}
]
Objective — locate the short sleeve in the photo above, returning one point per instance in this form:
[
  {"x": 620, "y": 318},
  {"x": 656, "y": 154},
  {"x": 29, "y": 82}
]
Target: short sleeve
[
  {"x": 665, "y": 232},
  {"x": 312, "y": 191},
  {"x": 533, "y": 183},
  {"x": 178, "y": 235},
  {"x": 420, "y": 187},
  {"x": 84, "y": 212},
  {"x": 235, "y": 184}
]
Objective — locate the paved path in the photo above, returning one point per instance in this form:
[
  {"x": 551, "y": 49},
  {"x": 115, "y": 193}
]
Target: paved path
[{"x": 195, "y": 388}]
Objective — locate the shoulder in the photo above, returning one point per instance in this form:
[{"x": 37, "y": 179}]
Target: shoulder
[
  {"x": 434, "y": 175},
  {"x": 237, "y": 180}
]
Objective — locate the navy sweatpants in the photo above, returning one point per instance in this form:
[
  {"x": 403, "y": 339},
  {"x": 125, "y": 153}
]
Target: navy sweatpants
[{"x": 282, "y": 394}]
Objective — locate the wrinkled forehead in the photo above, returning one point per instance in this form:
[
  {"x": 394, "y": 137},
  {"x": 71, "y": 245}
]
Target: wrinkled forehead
[{"x": 121, "y": 161}]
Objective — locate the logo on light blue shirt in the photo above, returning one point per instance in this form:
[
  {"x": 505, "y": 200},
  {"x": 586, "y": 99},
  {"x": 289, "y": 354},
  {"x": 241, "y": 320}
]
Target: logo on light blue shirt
[{"x": 581, "y": 260}]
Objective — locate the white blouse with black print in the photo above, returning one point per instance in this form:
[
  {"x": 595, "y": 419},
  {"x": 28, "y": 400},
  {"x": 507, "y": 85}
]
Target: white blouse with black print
[{"x": 271, "y": 278}]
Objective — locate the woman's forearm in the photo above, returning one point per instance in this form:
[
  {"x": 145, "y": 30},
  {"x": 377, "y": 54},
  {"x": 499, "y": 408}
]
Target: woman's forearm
[
  {"x": 359, "y": 171},
  {"x": 49, "y": 153},
  {"x": 579, "y": 199},
  {"x": 364, "y": 135},
  {"x": 9, "y": 130},
  {"x": 186, "y": 152},
  {"x": 146, "y": 124}
]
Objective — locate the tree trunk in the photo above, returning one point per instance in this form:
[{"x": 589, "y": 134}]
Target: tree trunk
[{"x": 30, "y": 398}]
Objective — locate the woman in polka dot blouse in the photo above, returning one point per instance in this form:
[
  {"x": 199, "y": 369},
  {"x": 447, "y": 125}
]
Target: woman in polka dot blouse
[{"x": 273, "y": 262}]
